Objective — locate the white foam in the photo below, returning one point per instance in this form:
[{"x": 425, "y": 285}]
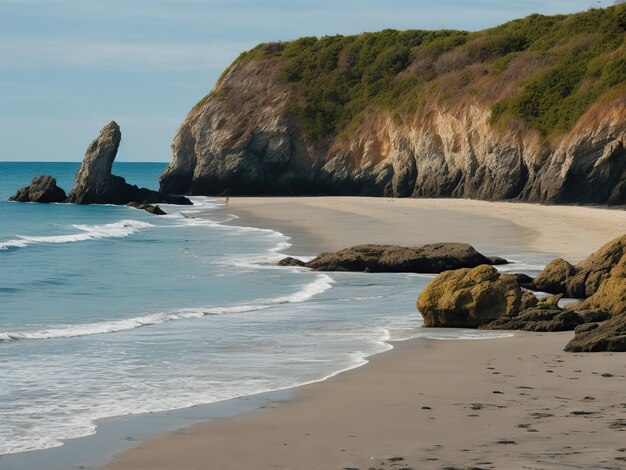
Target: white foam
[
  {"x": 321, "y": 284},
  {"x": 122, "y": 228}
]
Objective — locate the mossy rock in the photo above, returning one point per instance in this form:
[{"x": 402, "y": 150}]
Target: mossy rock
[{"x": 469, "y": 298}]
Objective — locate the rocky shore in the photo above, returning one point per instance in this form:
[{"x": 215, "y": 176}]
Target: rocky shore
[
  {"x": 470, "y": 293},
  {"x": 95, "y": 183},
  {"x": 420, "y": 405}
]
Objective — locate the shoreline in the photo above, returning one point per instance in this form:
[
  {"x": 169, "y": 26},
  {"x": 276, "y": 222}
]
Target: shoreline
[
  {"x": 317, "y": 224},
  {"x": 320, "y": 427},
  {"x": 254, "y": 212},
  {"x": 370, "y": 417}
]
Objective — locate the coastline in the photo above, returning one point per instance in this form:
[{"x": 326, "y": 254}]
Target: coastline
[
  {"x": 413, "y": 412},
  {"x": 362, "y": 220},
  {"x": 532, "y": 405}
]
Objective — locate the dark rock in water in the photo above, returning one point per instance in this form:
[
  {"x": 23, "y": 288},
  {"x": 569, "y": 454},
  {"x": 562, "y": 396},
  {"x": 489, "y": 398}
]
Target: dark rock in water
[
  {"x": 497, "y": 260},
  {"x": 431, "y": 259},
  {"x": 96, "y": 185},
  {"x": 469, "y": 298},
  {"x": 289, "y": 261},
  {"x": 42, "y": 189},
  {"x": 608, "y": 336},
  {"x": 156, "y": 210}
]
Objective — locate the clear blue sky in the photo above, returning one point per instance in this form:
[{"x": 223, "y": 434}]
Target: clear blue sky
[{"x": 67, "y": 67}]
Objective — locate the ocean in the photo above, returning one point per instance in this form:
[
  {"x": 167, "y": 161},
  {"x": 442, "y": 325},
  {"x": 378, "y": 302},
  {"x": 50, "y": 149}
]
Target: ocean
[{"x": 110, "y": 311}]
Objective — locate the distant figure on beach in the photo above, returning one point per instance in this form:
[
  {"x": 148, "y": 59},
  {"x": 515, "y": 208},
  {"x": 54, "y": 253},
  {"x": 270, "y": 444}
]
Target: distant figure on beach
[{"x": 227, "y": 198}]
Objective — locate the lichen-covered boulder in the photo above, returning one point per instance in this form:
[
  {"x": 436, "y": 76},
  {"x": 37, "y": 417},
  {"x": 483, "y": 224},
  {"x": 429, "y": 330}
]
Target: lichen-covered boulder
[
  {"x": 594, "y": 337},
  {"x": 584, "y": 279},
  {"x": 611, "y": 293},
  {"x": 554, "y": 277},
  {"x": 469, "y": 298}
]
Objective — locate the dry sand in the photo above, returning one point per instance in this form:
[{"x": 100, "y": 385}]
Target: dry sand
[
  {"x": 510, "y": 403},
  {"x": 332, "y": 223}
]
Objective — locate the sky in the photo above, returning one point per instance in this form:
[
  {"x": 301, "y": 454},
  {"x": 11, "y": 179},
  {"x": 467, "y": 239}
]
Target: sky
[{"x": 68, "y": 67}]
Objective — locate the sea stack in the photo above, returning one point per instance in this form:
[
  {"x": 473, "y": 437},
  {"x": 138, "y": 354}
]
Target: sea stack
[{"x": 96, "y": 185}]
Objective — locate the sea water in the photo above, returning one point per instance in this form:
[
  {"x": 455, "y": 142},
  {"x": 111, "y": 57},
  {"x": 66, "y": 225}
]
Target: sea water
[{"x": 108, "y": 311}]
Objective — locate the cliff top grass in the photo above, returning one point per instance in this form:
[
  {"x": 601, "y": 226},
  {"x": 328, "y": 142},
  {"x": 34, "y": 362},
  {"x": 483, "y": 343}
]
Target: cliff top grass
[{"x": 544, "y": 70}]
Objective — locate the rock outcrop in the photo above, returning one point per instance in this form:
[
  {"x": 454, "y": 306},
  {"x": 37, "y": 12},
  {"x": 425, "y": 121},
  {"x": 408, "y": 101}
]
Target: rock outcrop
[
  {"x": 96, "y": 185},
  {"x": 42, "y": 189},
  {"x": 469, "y": 298},
  {"x": 429, "y": 259},
  {"x": 594, "y": 337},
  {"x": 546, "y": 316},
  {"x": 290, "y": 261},
  {"x": 250, "y": 135},
  {"x": 152, "y": 209},
  {"x": 600, "y": 279}
]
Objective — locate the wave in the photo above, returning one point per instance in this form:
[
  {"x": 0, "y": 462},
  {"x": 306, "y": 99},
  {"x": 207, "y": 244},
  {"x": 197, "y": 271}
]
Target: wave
[
  {"x": 122, "y": 228},
  {"x": 321, "y": 284}
]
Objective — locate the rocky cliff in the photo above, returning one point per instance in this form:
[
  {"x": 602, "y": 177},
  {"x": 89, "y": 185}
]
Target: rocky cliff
[{"x": 534, "y": 110}]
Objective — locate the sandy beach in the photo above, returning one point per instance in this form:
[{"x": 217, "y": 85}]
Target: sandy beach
[
  {"x": 508, "y": 403},
  {"x": 332, "y": 223}
]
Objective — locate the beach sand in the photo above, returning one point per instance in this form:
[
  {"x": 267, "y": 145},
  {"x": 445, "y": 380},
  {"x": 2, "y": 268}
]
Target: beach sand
[
  {"x": 332, "y": 223},
  {"x": 508, "y": 403}
]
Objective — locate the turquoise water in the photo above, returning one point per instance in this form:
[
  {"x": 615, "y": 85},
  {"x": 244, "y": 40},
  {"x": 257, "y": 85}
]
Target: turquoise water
[{"x": 108, "y": 311}]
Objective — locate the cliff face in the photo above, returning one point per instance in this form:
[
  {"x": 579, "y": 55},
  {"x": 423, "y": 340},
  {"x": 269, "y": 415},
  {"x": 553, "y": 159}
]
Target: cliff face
[{"x": 250, "y": 135}]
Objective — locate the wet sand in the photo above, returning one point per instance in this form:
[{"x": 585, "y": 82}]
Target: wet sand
[{"x": 509, "y": 403}]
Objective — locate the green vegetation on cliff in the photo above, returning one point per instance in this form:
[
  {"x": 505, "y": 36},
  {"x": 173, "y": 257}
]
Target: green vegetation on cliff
[{"x": 544, "y": 70}]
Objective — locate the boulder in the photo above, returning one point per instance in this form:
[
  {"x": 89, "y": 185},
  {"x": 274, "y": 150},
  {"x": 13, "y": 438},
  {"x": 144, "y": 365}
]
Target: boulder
[
  {"x": 152, "y": 209},
  {"x": 611, "y": 293},
  {"x": 593, "y": 337},
  {"x": 96, "y": 185},
  {"x": 584, "y": 279},
  {"x": 469, "y": 298},
  {"x": 42, "y": 189},
  {"x": 431, "y": 259},
  {"x": 289, "y": 261},
  {"x": 554, "y": 277}
]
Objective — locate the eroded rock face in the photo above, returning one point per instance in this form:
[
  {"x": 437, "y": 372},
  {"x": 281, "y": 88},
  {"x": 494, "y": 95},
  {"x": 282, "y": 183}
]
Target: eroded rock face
[
  {"x": 96, "y": 185},
  {"x": 469, "y": 298},
  {"x": 593, "y": 337},
  {"x": 42, "y": 189},
  {"x": 243, "y": 139},
  {"x": 431, "y": 259}
]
